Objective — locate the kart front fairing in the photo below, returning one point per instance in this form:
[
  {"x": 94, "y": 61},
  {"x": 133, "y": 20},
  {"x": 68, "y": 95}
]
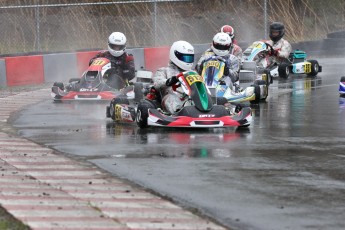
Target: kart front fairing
[
  {"x": 212, "y": 73},
  {"x": 199, "y": 110},
  {"x": 91, "y": 85}
]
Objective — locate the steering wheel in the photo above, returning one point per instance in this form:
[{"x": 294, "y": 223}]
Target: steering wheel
[{"x": 270, "y": 49}]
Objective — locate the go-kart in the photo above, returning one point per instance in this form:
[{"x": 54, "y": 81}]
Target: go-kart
[
  {"x": 198, "y": 110},
  {"x": 98, "y": 82},
  {"x": 342, "y": 86},
  {"x": 259, "y": 53},
  {"x": 298, "y": 64},
  {"x": 213, "y": 70}
]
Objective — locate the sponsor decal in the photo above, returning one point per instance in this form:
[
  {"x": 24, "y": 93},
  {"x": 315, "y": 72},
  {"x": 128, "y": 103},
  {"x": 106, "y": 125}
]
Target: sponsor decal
[
  {"x": 98, "y": 62},
  {"x": 88, "y": 90},
  {"x": 213, "y": 63},
  {"x": 191, "y": 79},
  {"x": 206, "y": 115}
]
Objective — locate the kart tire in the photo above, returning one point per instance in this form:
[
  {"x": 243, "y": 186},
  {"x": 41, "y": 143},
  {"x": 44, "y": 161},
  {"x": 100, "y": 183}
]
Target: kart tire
[
  {"x": 261, "y": 83},
  {"x": 60, "y": 85},
  {"x": 138, "y": 91},
  {"x": 257, "y": 92},
  {"x": 113, "y": 103},
  {"x": 74, "y": 80},
  {"x": 284, "y": 70},
  {"x": 314, "y": 68},
  {"x": 269, "y": 79},
  {"x": 107, "y": 111},
  {"x": 342, "y": 79},
  {"x": 143, "y": 113},
  {"x": 221, "y": 101}
]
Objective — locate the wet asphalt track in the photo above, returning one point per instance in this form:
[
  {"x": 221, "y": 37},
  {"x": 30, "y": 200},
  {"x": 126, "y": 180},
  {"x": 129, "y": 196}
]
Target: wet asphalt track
[{"x": 286, "y": 171}]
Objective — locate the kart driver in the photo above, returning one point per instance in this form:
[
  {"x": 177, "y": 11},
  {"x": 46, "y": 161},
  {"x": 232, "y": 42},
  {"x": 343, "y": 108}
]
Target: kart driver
[
  {"x": 181, "y": 57},
  {"x": 122, "y": 64},
  {"x": 234, "y": 49},
  {"x": 282, "y": 48},
  {"x": 221, "y": 47}
]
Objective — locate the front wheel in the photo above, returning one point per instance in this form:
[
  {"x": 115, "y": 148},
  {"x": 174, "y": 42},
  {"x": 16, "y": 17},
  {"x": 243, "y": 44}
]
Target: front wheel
[
  {"x": 284, "y": 70},
  {"x": 60, "y": 85},
  {"x": 143, "y": 113},
  {"x": 257, "y": 92},
  {"x": 112, "y": 112}
]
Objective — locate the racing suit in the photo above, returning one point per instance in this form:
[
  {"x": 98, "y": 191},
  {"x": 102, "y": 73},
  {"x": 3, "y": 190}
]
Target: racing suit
[
  {"x": 123, "y": 69},
  {"x": 282, "y": 50},
  {"x": 236, "y": 50},
  {"x": 171, "y": 101},
  {"x": 232, "y": 65}
]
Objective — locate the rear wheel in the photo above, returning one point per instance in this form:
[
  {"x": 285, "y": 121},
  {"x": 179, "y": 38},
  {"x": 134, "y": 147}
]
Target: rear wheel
[
  {"x": 138, "y": 91},
  {"x": 143, "y": 113},
  {"x": 257, "y": 92},
  {"x": 112, "y": 107},
  {"x": 314, "y": 68},
  {"x": 263, "y": 88},
  {"x": 284, "y": 70}
]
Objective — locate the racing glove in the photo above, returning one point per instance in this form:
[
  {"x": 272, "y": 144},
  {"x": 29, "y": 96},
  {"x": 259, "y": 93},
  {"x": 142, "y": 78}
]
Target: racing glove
[{"x": 171, "y": 81}]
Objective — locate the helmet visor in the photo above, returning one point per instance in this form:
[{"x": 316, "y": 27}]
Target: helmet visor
[
  {"x": 221, "y": 47},
  {"x": 188, "y": 58},
  {"x": 116, "y": 47}
]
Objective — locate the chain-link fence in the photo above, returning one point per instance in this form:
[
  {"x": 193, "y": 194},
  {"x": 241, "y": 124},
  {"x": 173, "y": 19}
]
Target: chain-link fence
[{"x": 62, "y": 26}]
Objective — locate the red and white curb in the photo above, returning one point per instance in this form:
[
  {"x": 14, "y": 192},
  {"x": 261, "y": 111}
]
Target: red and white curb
[{"x": 50, "y": 191}]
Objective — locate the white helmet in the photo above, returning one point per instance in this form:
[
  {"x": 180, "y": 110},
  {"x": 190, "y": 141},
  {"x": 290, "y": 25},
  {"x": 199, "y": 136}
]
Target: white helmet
[
  {"x": 117, "y": 44},
  {"x": 182, "y": 55},
  {"x": 221, "y": 44}
]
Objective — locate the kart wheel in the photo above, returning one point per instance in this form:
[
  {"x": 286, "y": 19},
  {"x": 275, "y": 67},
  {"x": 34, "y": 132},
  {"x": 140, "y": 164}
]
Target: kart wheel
[
  {"x": 138, "y": 91},
  {"x": 284, "y": 70},
  {"x": 269, "y": 78},
  {"x": 314, "y": 68},
  {"x": 263, "y": 86},
  {"x": 74, "y": 80},
  {"x": 107, "y": 111},
  {"x": 113, "y": 103},
  {"x": 257, "y": 92},
  {"x": 60, "y": 85},
  {"x": 143, "y": 113}
]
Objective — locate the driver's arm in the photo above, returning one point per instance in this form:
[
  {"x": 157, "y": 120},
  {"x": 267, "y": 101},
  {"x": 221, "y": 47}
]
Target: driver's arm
[
  {"x": 285, "y": 50},
  {"x": 129, "y": 68}
]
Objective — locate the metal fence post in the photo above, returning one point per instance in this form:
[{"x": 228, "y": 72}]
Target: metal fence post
[
  {"x": 265, "y": 18},
  {"x": 37, "y": 16},
  {"x": 155, "y": 23}
]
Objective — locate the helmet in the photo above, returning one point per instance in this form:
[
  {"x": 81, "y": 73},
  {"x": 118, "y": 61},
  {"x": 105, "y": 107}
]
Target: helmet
[
  {"x": 229, "y": 30},
  {"x": 117, "y": 44},
  {"x": 221, "y": 44},
  {"x": 277, "y": 31},
  {"x": 182, "y": 55}
]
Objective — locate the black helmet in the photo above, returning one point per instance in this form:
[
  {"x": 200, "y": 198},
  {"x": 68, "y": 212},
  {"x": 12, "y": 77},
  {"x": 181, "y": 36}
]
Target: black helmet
[{"x": 277, "y": 31}]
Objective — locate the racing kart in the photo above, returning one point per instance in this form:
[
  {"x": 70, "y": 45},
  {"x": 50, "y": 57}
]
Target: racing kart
[
  {"x": 259, "y": 53},
  {"x": 213, "y": 70},
  {"x": 298, "y": 64},
  {"x": 96, "y": 84},
  {"x": 198, "y": 110},
  {"x": 342, "y": 86}
]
